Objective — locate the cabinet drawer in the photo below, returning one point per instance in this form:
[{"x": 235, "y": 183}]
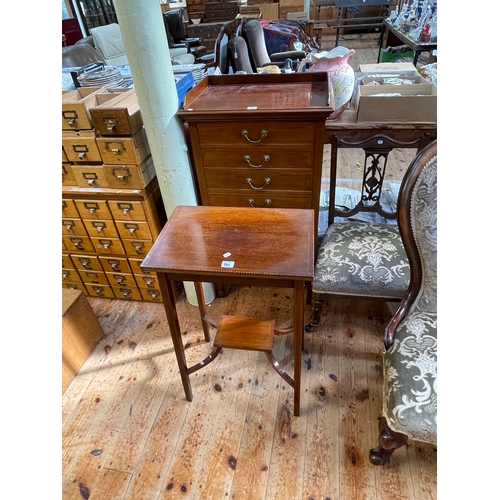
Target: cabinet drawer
[
  {"x": 81, "y": 147},
  {"x": 135, "y": 265},
  {"x": 108, "y": 246},
  {"x": 130, "y": 176},
  {"x": 221, "y": 14},
  {"x": 93, "y": 277},
  {"x": 218, "y": 6},
  {"x": 68, "y": 177},
  {"x": 125, "y": 292},
  {"x": 75, "y": 286},
  {"x": 124, "y": 150},
  {"x": 260, "y": 180},
  {"x": 120, "y": 116},
  {"x": 101, "y": 228},
  {"x": 266, "y": 157},
  {"x": 93, "y": 209},
  {"x": 244, "y": 133},
  {"x": 137, "y": 247},
  {"x": 147, "y": 281},
  {"x": 73, "y": 227},
  {"x": 121, "y": 279},
  {"x": 75, "y": 112},
  {"x": 115, "y": 265},
  {"x": 79, "y": 243},
  {"x": 196, "y": 9},
  {"x": 293, "y": 199},
  {"x": 100, "y": 291},
  {"x": 127, "y": 210},
  {"x": 70, "y": 276},
  {"x": 86, "y": 262},
  {"x": 90, "y": 176},
  {"x": 133, "y": 230},
  {"x": 67, "y": 263},
  {"x": 150, "y": 295},
  {"x": 69, "y": 209}
]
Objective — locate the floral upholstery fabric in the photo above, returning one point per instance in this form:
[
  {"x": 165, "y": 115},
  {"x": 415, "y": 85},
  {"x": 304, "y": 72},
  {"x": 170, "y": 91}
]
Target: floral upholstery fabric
[
  {"x": 410, "y": 364},
  {"x": 363, "y": 260}
]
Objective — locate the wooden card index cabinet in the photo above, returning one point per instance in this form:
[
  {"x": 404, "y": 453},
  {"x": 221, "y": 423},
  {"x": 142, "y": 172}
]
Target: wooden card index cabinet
[
  {"x": 257, "y": 140},
  {"x": 112, "y": 210}
]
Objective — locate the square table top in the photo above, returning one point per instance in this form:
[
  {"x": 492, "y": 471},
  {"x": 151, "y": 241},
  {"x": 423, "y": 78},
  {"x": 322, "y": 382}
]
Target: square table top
[{"x": 261, "y": 242}]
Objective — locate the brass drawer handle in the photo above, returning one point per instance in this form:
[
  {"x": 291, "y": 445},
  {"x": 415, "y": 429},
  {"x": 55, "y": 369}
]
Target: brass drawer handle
[
  {"x": 115, "y": 265},
  {"x": 263, "y": 133},
  {"x": 125, "y": 207},
  {"x": 90, "y": 177},
  {"x": 98, "y": 289},
  {"x": 110, "y": 122},
  {"x": 69, "y": 224},
  {"x": 121, "y": 173},
  {"x": 154, "y": 293},
  {"x": 99, "y": 225},
  {"x": 81, "y": 149},
  {"x": 70, "y": 116},
  {"x": 267, "y": 181},
  {"x": 105, "y": 243},
  {"x": 91, "y": 207},
  {"x": 132, "y": 227},
  {"x": 264, "y": 159},
  {"x": 78, "y": 243},
  {"x": 267, "y": 202}
]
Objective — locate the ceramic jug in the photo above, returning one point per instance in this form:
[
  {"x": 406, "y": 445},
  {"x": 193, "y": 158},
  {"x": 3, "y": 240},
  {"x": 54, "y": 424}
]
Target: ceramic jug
[{"x": 341, "y": 75}]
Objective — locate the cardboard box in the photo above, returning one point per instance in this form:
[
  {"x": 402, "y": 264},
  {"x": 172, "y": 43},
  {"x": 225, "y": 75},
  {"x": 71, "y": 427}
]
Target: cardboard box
[
  {"x": 298, "y": 16},
  {"x": 417, "y": 103},
  {"x": 397, "y": 67}
]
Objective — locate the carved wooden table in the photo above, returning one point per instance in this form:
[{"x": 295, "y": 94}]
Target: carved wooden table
[{"x": 242, "y": 246}]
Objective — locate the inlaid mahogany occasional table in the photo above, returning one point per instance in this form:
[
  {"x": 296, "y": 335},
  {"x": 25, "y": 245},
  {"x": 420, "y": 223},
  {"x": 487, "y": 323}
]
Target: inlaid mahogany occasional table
[{"x": 241, "y": 246}]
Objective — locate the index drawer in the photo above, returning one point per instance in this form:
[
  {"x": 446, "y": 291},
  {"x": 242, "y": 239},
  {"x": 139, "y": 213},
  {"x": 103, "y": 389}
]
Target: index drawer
[
  {"x": 86, "y": 262},
  {"x": 127, "y": 210},
  {"x": 258, "y": 134},
  {"x": 80, "y": 243},
  {"x": 75, "y": 112},
  {"x": 115, "y": 264},
  {"x": 93, "y": 209},
  {"x": 69, "y": 209},
  {"x": 120, "y": 116},
  {"x": 73, "y": 227},
  {"x": 81, "y": 147},
  {"x": 124, "y": 150}
]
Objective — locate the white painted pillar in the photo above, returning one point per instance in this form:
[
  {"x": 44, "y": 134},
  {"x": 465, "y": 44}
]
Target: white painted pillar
[
  {"x": 307, "y": 6},
  {"x": 145, "y": 41}
]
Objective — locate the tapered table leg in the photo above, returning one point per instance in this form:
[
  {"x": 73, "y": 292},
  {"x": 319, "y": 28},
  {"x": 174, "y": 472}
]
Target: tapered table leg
[{"x": 167, "y": 291}]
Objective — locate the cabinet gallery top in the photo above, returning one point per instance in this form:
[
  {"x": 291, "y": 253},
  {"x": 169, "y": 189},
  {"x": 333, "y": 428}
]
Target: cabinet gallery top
[{"x": 259, "y": 94}]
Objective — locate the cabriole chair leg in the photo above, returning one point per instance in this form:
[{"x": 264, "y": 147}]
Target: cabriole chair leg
[{"x": 389, "y": 441}]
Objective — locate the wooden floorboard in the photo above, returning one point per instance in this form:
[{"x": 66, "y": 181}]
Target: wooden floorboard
[{"x": 128, "y": 432}]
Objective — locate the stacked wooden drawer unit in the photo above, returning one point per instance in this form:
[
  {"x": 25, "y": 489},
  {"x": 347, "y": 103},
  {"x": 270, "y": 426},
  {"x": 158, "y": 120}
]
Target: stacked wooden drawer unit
[
  {"x": 208, "y": 31},
  {"x": 196, "y": 10},
  {"x": 257, "y": 140},
  {"x": 221, "y": 10},
  {"x": 111, "y": 209}
]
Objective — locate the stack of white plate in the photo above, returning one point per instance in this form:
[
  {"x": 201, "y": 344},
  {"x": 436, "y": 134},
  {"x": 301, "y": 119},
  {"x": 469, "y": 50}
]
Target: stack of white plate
[
  {"x": 109, "y": 77},
  {"x": 196, "y": 69}
]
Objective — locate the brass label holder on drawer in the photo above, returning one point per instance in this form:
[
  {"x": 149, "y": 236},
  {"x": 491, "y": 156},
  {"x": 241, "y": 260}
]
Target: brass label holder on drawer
[
  {"x": 105, "y": 243},
  {"x": 115, "y": 264},
  {"x": 99, "y": 225},
  {"x": 80, "y": 149},
  {"x": 69, "y": 224},
  {"x": 77, "y": 242},
  {"x": 131, "y": 226},
  {"x": 70, "y": 115},
  {"x": 116, "y": 150},
  {"x": 110, "y": 122},
  {"x": 125, "y": 207},
  {"x": 90, "y": 177},
  {"x": 91, "y": 206},
  {"x": 121, "y": 175}
]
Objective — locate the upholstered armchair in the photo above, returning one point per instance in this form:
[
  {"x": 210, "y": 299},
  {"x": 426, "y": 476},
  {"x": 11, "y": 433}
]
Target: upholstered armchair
[{"x": 410, "y": 359}]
